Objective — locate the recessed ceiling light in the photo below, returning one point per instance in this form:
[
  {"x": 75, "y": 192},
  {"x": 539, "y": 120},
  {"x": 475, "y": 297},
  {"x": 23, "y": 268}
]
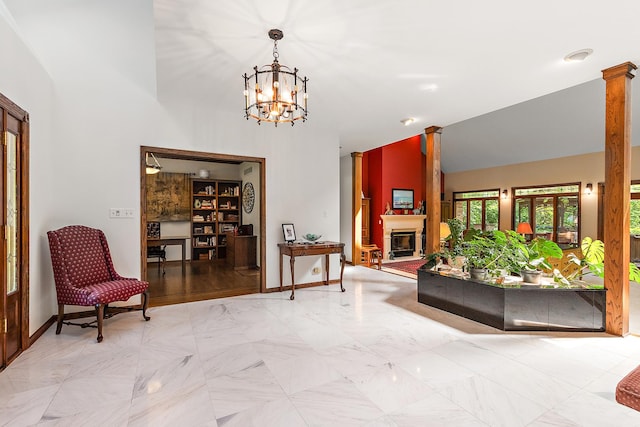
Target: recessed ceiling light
[
  {"x": 407, "y": 121},
  {"x": 578, "y": 55}
]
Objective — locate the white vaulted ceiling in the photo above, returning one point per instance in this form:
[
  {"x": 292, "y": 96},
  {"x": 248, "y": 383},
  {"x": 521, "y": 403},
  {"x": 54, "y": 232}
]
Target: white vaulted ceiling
[{"x": 491, "y": 73}]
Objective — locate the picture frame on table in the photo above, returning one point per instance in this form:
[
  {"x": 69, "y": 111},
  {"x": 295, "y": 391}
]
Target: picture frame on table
[{"x": 289, "y": 233}]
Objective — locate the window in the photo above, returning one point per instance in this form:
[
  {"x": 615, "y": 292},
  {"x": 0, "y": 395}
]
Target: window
[
  {"x": 553, "y": 212},
  {"x": 478, "y": 209}
]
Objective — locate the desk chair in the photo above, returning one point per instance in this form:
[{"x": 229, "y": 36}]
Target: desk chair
[{"x": 159, "y": 252}]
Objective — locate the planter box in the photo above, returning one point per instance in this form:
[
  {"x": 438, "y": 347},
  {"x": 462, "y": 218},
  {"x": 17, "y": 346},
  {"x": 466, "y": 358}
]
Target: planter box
[{"x": 515, "y": 307}]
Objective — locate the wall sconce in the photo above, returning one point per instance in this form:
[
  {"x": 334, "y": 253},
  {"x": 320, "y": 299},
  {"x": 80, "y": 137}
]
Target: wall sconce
[
  {"x": 504, "y": 194},
  {"x": 589, "y": 189},
  {"x": 152, "y": 167}
]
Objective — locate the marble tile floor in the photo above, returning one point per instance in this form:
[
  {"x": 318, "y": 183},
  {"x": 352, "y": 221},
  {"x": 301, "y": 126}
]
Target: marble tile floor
[{"x": 372, "y": 356}]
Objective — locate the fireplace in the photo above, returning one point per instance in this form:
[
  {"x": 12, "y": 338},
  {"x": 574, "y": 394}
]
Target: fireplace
[
  {"x": 402, "y": 224},
  {"x": 403, "y": 243}
]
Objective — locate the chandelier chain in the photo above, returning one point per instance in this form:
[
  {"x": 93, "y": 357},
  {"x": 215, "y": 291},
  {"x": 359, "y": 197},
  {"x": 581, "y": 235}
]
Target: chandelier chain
[{"x": 275, "y": 50}]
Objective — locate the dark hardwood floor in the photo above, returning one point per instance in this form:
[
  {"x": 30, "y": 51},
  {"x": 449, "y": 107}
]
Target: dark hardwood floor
[{"x": 201, "y": 280}]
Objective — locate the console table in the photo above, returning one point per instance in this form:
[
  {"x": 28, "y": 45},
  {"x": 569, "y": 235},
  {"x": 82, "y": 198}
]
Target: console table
[{"x": 294, "y": 250}]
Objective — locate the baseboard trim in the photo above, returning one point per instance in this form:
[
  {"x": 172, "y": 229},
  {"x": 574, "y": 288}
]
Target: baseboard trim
[
  {"x": 302, "y": 285},
  {"x": 77, "y": 315},
  {"x": 42, "y": 329}
]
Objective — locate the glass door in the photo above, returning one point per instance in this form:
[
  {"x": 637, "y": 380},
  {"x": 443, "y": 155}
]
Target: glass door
[
  {"x": 14, "y": 308},
  {"x": 543, "y": 215}
]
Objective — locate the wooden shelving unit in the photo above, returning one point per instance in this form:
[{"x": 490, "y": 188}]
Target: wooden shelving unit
[{"x": 215, "y": 210}]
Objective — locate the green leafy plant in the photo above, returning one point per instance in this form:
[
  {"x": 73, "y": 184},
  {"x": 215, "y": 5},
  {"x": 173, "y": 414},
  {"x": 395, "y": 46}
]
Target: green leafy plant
[
  {"x": 591, "y": 262},
  {"x": 455, "y": 239},
  {"x": 497, "y": 251},
  {"x": 536, "y": 254}
]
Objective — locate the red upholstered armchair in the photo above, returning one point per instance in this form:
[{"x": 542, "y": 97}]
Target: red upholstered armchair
[{"x": 84, "y": 274}]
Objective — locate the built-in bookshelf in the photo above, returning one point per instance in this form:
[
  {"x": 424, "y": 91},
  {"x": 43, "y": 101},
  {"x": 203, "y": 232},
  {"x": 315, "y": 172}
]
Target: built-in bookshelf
[{"x": 215, "y": 210}]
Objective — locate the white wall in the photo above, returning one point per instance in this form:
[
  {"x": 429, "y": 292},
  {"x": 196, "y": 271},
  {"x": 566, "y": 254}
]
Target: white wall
[
  {"x": 87, "y": 129},
  {"x": 25, "y": 82}
]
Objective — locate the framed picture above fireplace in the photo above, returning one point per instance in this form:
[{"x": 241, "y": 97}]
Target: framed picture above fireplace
[{"x": 402, "y": 198}]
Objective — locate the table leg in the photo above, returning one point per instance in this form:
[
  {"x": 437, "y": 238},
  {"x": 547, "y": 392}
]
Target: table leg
[
  {"x": 326, "y": 267},
  {"x": 343, "y": 260},
  {"x": 292, "y": 261},
  {"x": 184, "y": 256},
  {"x": 281, "y": 256}
]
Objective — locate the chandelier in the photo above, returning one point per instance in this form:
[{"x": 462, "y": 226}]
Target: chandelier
[{"x": 274, "y": 93}]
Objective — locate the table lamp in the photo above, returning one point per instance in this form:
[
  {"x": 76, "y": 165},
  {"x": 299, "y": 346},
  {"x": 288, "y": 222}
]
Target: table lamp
[
  {"x": 445, "y": 232},
  {"x": 524, "y": 228}
]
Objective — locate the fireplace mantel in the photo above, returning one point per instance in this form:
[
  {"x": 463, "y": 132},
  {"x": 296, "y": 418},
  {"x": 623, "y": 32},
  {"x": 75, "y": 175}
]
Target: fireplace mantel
[{"x": 402, "y": 223}]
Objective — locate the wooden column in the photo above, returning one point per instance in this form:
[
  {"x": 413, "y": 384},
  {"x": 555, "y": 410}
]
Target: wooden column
[
  {"x": 356, "y": 210},
  {"x": 616, "y": 197},
  {"x": 432, "y": 189}
]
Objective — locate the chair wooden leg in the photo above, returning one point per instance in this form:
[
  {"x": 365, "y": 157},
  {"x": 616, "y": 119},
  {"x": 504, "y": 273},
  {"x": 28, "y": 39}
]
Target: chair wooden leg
[
  {"x": 100, "y": 316},
  {"x": 145, "y": 302},
  {"x": 60, "y": 318}
]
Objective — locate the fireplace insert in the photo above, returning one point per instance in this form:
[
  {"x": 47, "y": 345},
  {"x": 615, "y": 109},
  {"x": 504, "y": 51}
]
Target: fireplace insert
[{"x": 403, "y": 243}]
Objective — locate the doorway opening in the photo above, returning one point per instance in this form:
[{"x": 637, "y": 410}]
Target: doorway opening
[{"x": 202, "y": 219}]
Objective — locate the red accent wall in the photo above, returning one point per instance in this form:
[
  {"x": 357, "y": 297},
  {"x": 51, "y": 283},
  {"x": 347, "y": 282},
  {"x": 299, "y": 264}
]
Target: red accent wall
[{"x": 397, "y": 165}]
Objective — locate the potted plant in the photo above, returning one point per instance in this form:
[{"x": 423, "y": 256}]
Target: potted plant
[
  {"x": 535, "y": 258},
  {"x": 591, "y": 262},
  {"x": 486, "y": 253},
  {"x": 455, "y": 257},
  {"x": 499, "y": 253},
  {"x": 478, "y": 252}
]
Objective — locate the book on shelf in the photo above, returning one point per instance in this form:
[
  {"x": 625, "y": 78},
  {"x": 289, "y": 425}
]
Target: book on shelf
[
  {"x": 208, "y": 229},
  {"x": 209, "y": 190},
  {"x": 198, "y": 218},
  {"x": 231, "y": 191},
  {"x": 225, "y": 228}
]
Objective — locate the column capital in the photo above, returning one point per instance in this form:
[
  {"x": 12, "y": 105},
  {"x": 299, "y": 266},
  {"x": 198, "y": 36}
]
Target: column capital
[
  {"x": 433, "y": 129},
  {"x": 624, "y": 69}
]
